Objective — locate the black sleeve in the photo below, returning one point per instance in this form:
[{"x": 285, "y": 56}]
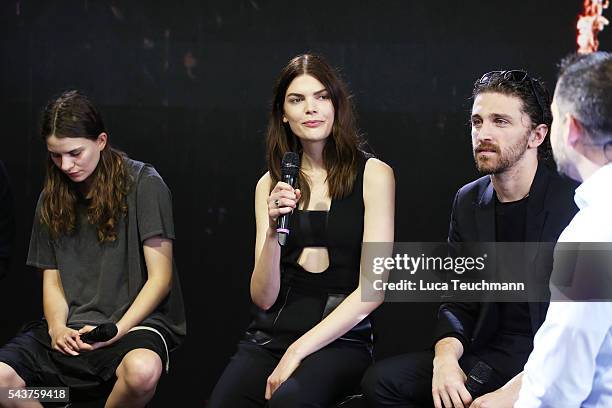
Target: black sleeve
[
  {"x": 7, "y": 221},
  {"x": 42, "y": 252},
  {"x": 456, "y": 319},
  {"x": 154, "y": 206},
  {"x": 454, "y": 230}
]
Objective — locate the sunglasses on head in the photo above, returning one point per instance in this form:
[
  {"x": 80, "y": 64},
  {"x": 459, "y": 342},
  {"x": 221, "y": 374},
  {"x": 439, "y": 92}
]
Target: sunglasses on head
[{"x": 516, "y": 76}]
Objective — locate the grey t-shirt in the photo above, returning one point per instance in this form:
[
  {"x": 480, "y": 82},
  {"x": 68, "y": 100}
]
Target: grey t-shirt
[{"x": 101, "y": 280}]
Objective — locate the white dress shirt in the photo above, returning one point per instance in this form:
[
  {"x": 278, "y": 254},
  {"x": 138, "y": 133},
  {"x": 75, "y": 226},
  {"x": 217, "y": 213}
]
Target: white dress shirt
[{"x": 571, "y": 362}]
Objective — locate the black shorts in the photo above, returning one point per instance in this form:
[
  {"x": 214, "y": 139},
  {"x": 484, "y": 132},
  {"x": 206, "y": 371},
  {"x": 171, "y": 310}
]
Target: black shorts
[{"x": 90, "y": 374}]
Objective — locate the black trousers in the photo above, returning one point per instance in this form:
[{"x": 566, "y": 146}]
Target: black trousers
[
  {"x": 405, "y": 380},
  {"x": 321, "y": 380}
]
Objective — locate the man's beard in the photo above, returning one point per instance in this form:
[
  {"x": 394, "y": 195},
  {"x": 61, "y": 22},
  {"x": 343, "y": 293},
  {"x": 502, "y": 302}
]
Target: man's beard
[
  {"x": 560, "y": 159},
  {"x": 501, "y": 161},
  {"x": 564, "y": 164}
]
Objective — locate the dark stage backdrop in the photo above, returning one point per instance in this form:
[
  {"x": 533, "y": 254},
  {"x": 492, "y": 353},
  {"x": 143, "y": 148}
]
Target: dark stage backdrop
[{"x": 186, "y": 85}]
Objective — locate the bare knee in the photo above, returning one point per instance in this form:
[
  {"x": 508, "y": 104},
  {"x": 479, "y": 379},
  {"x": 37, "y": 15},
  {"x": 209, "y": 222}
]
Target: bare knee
[
  {"x": 9, "y": 377},
  {"x": 140, "y": 370}
]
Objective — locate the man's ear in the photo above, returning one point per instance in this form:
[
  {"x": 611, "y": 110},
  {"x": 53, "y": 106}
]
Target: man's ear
[
  {"x": 576, "y": 133},
  {"x": 538, "y": 135}
]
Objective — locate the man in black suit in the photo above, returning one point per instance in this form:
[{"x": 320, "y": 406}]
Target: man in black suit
[
  {"x": 518, "y": 200},
  {"x": 7, "y": 222}
]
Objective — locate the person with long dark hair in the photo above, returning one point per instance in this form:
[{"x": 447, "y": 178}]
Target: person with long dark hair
[
  {"x": 103, "y": 238},
  {"x": 310, "y": 338}
]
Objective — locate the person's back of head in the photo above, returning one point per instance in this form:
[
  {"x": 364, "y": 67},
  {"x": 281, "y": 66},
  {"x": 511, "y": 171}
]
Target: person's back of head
[{"x": 584, "y": 90}]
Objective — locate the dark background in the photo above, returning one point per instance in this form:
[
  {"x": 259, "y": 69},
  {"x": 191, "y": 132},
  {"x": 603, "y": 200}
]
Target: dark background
[{"x": 186, "y": 85}]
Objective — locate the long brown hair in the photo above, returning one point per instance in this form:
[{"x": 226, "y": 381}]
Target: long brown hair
[
  {"x": 73, "y": 115},
  {"x": 342, "y": 148}
]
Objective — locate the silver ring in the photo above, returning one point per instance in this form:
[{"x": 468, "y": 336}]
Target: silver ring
[{"x": 276, "y": 202}]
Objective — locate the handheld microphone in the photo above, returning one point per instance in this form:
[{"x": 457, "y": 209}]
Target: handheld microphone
[
  {"x": 477, "y": 378},
  {"x": 290, "y": 168},
  {"x": 103, "y": 332}
]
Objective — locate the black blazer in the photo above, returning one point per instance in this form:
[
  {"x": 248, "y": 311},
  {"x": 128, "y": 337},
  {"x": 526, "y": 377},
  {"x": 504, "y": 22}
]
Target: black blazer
[{"x": 550, "y": 208}]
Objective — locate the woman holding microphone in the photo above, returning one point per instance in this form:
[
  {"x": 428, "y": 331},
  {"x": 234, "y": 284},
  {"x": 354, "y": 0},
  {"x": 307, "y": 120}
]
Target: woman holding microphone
[
  {"x": 310, "y": 338},
  {"x": 103, "y": 238}
]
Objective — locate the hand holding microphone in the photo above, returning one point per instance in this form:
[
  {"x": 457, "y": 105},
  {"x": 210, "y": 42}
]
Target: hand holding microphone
[
  {"x": 284, "y": 197},
  {"x": 282, "y": 200},
  {"x": 101, "y": 333}
]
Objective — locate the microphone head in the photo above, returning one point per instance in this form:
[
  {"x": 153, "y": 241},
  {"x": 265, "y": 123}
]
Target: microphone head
[
  {"x": 108, "y": 331},
  {"x": 290, "y": 166},
  {"x": 103, "y": 332}
]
